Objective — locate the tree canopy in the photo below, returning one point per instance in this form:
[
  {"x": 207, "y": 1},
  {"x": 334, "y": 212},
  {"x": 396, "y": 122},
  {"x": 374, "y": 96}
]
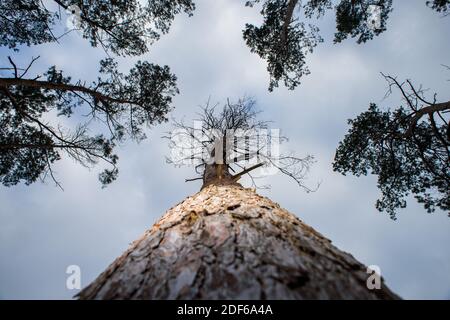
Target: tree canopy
[
  {"x": 123, "y": 103},
  {"x": 124, "y": 27},
  {"x": 408, "y": 148},
  {"x": 288, "y": 32}
]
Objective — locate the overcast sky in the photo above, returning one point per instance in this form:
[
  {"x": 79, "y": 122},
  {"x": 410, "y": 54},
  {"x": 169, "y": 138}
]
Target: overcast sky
[{"x": 44, "y": 229}]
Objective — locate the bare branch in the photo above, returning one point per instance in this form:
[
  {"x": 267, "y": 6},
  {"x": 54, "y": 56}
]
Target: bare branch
[
  {"x": 236, "y": 177},
  {"x": 14, "y": 66},
  {"x": 29, "y": 66}
]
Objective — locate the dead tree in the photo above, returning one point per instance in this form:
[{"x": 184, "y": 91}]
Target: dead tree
[
  {"x": 228, "y": 242},
  {"x": 224, "y": 146}
]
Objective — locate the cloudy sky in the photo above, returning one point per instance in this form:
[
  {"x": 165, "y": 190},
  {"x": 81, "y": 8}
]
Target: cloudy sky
[{"x": 43, "y": 229}]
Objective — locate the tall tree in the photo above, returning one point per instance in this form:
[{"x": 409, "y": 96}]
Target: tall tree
[
  {"x": 408, "y": 148},
  {"x": 228, "y": 242},
  {"x": 124, "y": 103}
]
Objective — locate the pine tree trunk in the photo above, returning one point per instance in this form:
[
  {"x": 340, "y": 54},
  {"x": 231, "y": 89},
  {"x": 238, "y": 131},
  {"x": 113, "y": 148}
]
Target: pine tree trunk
[{"x": 227, "y": 242}]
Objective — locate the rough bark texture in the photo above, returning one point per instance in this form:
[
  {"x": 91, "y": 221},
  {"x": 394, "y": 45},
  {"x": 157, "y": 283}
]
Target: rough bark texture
[
  {"x": 227, "y": 242},
  {"x": 217, "y": 174}
]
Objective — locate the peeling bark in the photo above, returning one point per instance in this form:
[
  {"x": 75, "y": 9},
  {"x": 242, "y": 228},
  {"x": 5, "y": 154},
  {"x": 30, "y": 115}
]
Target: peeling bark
[{"x": 227, "y": 242}]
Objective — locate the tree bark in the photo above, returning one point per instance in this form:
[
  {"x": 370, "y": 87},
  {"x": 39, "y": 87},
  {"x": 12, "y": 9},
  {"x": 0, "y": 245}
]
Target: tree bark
[
  {"x": 287, "y": 20},
  {"x": 217, "y": 174},
  {"x": 227, "y": 242}
]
